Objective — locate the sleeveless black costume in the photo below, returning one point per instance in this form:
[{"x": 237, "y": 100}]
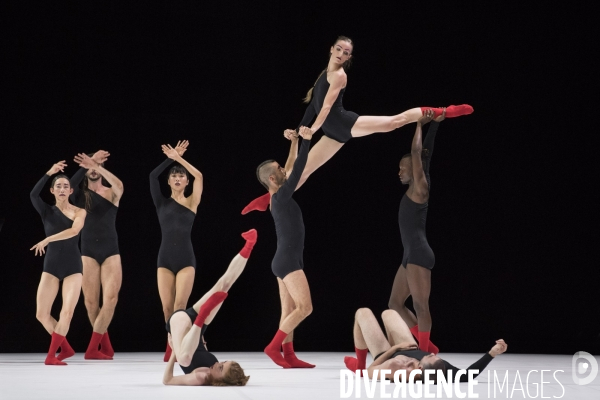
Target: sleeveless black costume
[
  {"x": 412, "y": 218},
  {"x": 99, "y": 238},
  {"x": 339, "y": 122},
  {"x": 419, "y": 354},
  {"x": 201, "y": 357},
  {"x": 62, "y": 256},
  {"x": 176, "y": 251},
  {"x": 289, "y": 225}
]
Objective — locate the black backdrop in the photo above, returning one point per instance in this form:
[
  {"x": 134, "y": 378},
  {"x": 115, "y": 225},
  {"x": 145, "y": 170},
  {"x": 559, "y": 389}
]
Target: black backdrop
[{"x": 510, "y": 213}]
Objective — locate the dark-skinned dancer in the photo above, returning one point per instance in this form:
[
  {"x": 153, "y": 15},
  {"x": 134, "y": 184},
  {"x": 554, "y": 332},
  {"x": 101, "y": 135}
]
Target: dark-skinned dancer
[{"x": 288, "y": 263}]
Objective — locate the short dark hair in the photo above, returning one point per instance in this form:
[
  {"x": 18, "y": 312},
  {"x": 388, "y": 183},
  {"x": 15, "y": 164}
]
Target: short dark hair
[
  {"x": 178, "y": 169},
  {"x": 260, "y": 175},
  {"x": 438, "y": 364}
]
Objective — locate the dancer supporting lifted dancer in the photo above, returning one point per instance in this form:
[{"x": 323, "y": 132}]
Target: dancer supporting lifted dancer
[
  {"x": 339, "y": 125},
  {"x": 288, "y": 262},
  {"x": 187, "y": 327},
  {"x": 99, "y": 247},
  {"x": 62, "y": 224},
  {"x": 399, "y": 350},
  {"x": 176, "y": 213},
  {"x": 414, "y": 275}
]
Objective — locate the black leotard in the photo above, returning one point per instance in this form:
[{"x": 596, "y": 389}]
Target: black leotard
[
  {"x": 419, "y": 354},
  {"x": 176, "y": 251},
  {"x": 289, "y": 225},
  {"x": 201, "y": 357},
  {"x": 62, "y": 256},
  {"x": 339, "y": 122},
  {"x": 99, "y": 238},
  {"x": 412, "y": 218}
]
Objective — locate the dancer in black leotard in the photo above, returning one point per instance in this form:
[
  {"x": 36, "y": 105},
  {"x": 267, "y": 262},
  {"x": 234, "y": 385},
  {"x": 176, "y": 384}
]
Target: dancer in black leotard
[
  {"x": 399, "y": 350},
  {"x": 414, "y": 275},
  {"x": 287, "y": 264},
  {"x": 176, "y": 213},
  {"x": 62, "y": 224},
  {"x": 339, "y": 125},
  {"x": 187, "y": 328},
  {"x": 99, "y": 247}
]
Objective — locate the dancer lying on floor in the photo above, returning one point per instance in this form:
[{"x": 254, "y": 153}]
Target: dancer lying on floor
[
  {"x": 187, "y": 327},
  {"x": 400, "y": 351}
]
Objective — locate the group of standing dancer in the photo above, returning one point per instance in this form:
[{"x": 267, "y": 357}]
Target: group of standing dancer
[{"x": 96, "y": 206}]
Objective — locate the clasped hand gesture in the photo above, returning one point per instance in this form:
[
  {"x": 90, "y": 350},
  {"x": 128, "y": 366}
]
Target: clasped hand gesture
[
  {"x": 290, "y": 134},
  {"x": 499, "y": 348},
  {"x": 40, "y": 247},
  {"x": 59, "y": 166},
  {"x": 305, "y": 132}
]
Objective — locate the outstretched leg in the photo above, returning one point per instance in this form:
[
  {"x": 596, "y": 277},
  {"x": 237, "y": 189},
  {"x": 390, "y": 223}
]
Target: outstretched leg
[
  {"x": 368, "y": 124},
  {"x": 186, "y": 336},
  {"x": 368, "y": 336},
  {"x": 419, "y": 281},
  {"x": 318, "y": 155},
  {"x": 70, "y": 293}
]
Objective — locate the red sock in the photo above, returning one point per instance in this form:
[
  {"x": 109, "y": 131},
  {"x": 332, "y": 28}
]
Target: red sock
[
  {"x": 250, "y": 237},
  {"x": 54, "y": 345},
  {"x": 272, "y": 350},
  {"x": 451, "y": 111},
  {"x": 290, "y": 357},
  {"x": 106, "y": 346},
  {"x": 259, "y": 204},
  {"x": 424, "y": 341},
  {"x": 92, "y": 352},
  {"x": 415, "y": 331},
  {"x": 66, "y": 350},
  {"x": 168, "y": 352},
  {"x": 358, "y": 363},
  {"x": 210, "y": 304}
]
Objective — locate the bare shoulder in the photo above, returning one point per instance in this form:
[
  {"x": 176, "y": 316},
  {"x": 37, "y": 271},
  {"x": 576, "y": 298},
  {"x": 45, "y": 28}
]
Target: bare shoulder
[
  {"x": 80, "y": 212},
  {"x": 338, "y": 78}
]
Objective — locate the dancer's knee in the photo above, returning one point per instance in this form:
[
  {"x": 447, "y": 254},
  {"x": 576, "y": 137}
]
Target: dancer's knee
[
  {"x": 42, "y": 316},
  {"x": 387, "y": 314},
  {"x": 362, "y": 312},
  {"x": 92, "y": 306},
  {"x": 110, "y": 301},
  {"x": 305, "y": 309},
  {"x": 421, "y": 306},
  {"x": 66, "y": 316}
]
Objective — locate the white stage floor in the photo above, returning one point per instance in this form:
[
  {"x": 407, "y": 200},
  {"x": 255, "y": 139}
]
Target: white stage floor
[{"x": 139, "y": 376}]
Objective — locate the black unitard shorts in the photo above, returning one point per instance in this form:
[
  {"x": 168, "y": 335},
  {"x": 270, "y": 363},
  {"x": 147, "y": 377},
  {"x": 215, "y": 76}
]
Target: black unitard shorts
[
  {"x": 176, "y": 221},
  {"x": 201, "y": 357},
  {"x": 339, "y": 122},
  {"x": 62, "y": 256}
]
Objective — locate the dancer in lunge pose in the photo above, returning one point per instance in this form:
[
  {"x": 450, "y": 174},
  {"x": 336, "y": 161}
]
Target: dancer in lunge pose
[
  {"x": 414, "y": 275},
  {"x": 399, "y": 351},
  {"x": 187, "y": 328},
  {"x": 288, "y": 262},
  {"x": 62, "y": 224},
  {"x": 99, "y": 247},
  {"x": 176, "y": 213},
  {"x": 339, "y": 125}
]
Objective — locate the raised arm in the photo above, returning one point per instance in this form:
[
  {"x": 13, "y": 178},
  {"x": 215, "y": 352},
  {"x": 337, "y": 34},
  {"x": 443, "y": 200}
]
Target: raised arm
[
  {"x": 286, "y": 191},
  {"x": 499, "y": 348},
  {"x": 157, "y": 196},
  {"x": 85, "y": 161},
  {"x": 66, "y": 234},
  {"x": 99, "y": 157},
  {"x": 36, "y": 200},
  {"x": 175, "y": 154},
  {"x": 338, "y": 82},
  {"x": 291, "y": 135},
  {"x": 429, "y": 141}
]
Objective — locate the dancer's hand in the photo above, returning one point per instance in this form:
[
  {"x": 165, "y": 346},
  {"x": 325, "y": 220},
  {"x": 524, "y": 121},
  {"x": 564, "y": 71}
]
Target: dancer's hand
[
  {"x": 499, "y": 348},
  {"x": 305, "y": 132},
  {"x": 441, "y": 117},
  {"x": 40, "y": 247},
  {"x": 85, "y": 161},
  {"x": 427, "y": 117},
  {"x": 181, "y": 147},
  {"x": 170, "y": 152},
  {"x": 290, "y": 134},
  {"x": 59, "y": 166},
  {"x": 100, "y": 156}
]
